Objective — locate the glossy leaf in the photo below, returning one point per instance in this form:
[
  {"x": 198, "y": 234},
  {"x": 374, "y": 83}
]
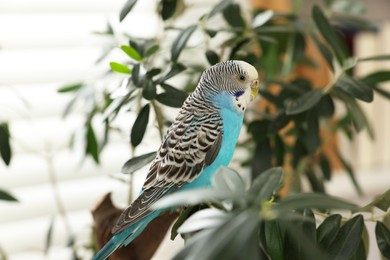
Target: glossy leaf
[
  {"x": 175, "y": 69},
  {"x": 185, "y": 213},
  {"x": 327, "y": 230},
  {"x": 350, "y": 172},
  {"x": 121, "y": 68},
  {"x": 329, "y": 34},
  {"x": 261, "y": 18},
  {"x": 212, "y": 57},
  {"x": 4, "y": 195},
  {"x": 355, "y": 88},
  {"x": 171, "y": 99},
  {"x": 382, "y": 92},
  {"x": 313, "y": 201},
  {"x": 137, "y": 162},
  {"x": 168, "y": 8},
  {"x": 262, "y": 159},
  {"x": 347, "y": 240},
  {"x": 70, "y": 88},
  {"x": 131, "y": 52},
  {"x": 325, "y": 52},
  {"x": 126, "y": 9},
  {"x": 382, "y": 234},
  {"x": 152, "y": 50},
  {"x": 149, "y": 91},
  {"x": 325, "y": 167},
  {"x": 227, "y": 179},
  {"x": 139, "y": 127},
  {"x": 376, "y": 58},
  {"x": 381, "y": 202},
  {"x": 5, "y": 146},
  {"x": 313, "y": 140},
  {"x": 376, "y": 77},
  {"x": 204, "y": 219},
  {"x": 136, "y": 76},
  {"x": 232, "y": 15},
  {"x": 316, "y": 184},
  {"x": 326, "y": 106},
  {"x": 279, "y": 150},
  {"x": 153, "y": 72},
  {"x": 304, "y": 102},
  {"x": 273, "y": 239},
  {"x": 180, "y": 42},
  {"x": 219, "y": 7},
  {"x": 92, "y": 147},
  {"x": 266, "y": 184}
]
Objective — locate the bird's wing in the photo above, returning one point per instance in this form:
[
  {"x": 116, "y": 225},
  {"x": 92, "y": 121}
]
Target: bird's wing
[{"x": 190, "y": 144}]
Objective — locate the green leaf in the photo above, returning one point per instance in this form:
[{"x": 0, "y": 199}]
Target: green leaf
[
  {"x": 139, "y": 127},
  {"x": 171, "y": 99},
  {"x": 316, "y": 184},
  {"x": 382, "y": 234},
  {"x": 376, "y": 77},
  {"x": 232, "y": 15},
  {"x": 204, "y": 219},
  {"x": 262, "y": 159},
  {"x": 327, "y": 230},
  {"x": 261, "y": 18},
  {"x": 131, "y": 52},
  {"x": 313, "y": 140},
  {"x": 136, "y": 75},
  {"x": 5, "y": 146},
  {"x": 326, "y": 53},
  {"x": 70, "y": 88},
  {"x": 152, "y": 50},
  {"x": 382, "y": 92},
  {"x": 259, "y": 129},
  {"x": 4, "y": 195},
  {"x": 168, "y": 8},
  {"x": 325, "y": 167},
  {"x": 267, "y": 184},
  {"x": 137, "y": 163},
  {"x": 153, "y": 72},
  {"x": 220, "y": 7},
  {"x": 279, "y": 150},
  {"x": 228, "y": 180},
  {"x": 180, "y": 220},
  {"x": 121, "y": 68},
  {"x": 304, "y": 102},
  {"x": 350, "y": 172},
  {"x": 375, "y": 58},
  {"x": 92, "y": 147},
  {"x": 381, "y": 202},
  {"x": 355, "y": 88},
  {"x": 329, "y": 34},
  {"x": 175, "y": 69},
  {"x": 126, "y": 9},
  {"x": 347, "y": 240},
  {"x": 180, "y": 42},
  {"x": 212, "y": 57},
  {"x": 273, "y": 239},
  {"x": 313, "y": 201},
  {"x": 149, "y": 91},
  {"x": 326, "y": 107}
]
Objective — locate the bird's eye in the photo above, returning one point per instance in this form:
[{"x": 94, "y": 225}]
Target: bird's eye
[{"x": 242, "y": 78}]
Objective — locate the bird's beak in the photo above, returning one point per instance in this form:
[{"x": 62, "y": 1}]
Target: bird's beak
[{"x": 254, "y": 89}]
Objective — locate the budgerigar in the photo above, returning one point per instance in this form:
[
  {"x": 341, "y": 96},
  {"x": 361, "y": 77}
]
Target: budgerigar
[{"x": 201, "y": 139}]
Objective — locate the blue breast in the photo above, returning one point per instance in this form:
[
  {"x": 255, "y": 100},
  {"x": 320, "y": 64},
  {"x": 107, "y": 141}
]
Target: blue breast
[{"x": 232, "y": 123}]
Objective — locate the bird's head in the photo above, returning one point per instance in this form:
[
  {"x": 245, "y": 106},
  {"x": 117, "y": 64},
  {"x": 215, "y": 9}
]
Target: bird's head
[{"x": 231, "y": 84}]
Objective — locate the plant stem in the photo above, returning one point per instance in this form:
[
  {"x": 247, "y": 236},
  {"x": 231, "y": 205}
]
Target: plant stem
[
  {"x": 159, "y": 118},
  {"x": 56, "y": 193}
]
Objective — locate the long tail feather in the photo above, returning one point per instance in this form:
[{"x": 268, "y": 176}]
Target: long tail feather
[
  {"x": 106, "y": 251},
  {"x": 124, "y": 237}
]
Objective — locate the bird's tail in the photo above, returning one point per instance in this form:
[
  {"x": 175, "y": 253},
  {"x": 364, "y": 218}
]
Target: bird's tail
[
  {"x": 124, "y": 237},
  {"x": 106, "y": 251}
]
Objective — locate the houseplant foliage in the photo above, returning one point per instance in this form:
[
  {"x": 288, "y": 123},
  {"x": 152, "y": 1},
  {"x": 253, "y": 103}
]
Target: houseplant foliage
[{"x": 285, "y": 131}]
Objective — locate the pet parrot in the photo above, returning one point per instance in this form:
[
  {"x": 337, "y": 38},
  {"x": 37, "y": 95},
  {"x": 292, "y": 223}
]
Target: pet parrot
[{"x": 200, "y": 140}]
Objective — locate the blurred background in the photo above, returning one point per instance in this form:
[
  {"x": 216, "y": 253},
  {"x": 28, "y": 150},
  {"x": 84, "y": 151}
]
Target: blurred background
[{"x": 45, "y": 45}]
